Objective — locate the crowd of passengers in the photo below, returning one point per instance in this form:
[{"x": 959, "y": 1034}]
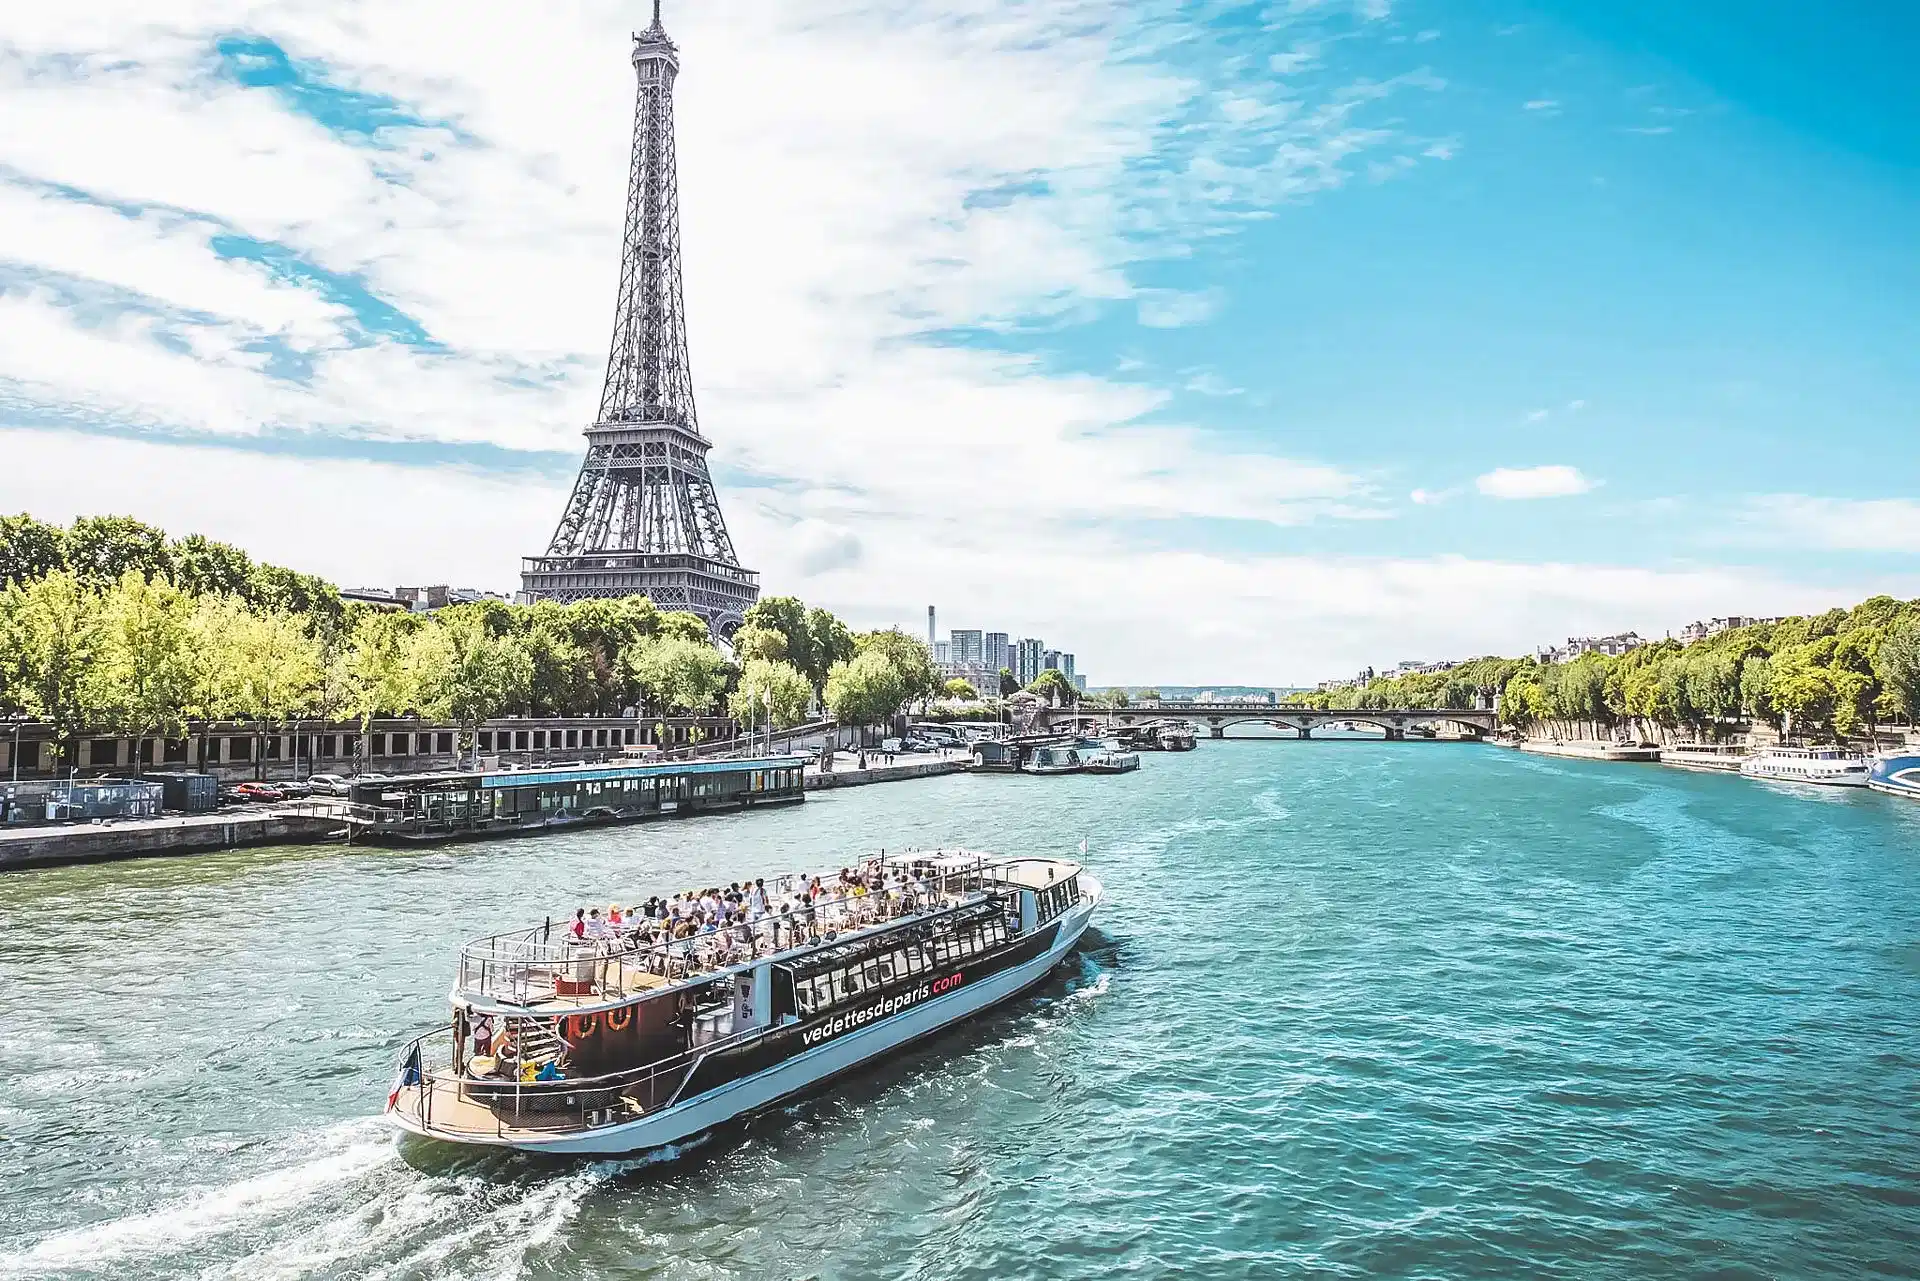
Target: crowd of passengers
[{"x": 746, "y": 919}]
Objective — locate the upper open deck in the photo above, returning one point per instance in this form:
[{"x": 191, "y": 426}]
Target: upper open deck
[{"x": 545, "y": 970}]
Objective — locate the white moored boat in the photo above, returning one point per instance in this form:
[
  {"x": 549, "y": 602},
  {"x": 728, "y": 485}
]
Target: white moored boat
[
  {"x": 1724, "y": 757},
  {"x": 638, "y": 1041},
  {"x": 1831, "y": 766}
]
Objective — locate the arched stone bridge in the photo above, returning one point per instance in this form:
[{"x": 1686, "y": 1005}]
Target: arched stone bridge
[{"x": 1216, "y": 717}]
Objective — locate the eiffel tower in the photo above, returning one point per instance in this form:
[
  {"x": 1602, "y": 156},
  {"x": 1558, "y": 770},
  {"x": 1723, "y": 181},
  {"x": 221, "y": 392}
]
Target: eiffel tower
[{"x": 643, "y": 518}]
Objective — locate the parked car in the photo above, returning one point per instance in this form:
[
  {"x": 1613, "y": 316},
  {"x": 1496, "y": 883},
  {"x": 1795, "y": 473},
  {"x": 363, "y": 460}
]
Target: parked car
[
  {"x": 294, "y": 789},
  {"x": 258, "y": 793},
  {"x": 328, "y": 784}
]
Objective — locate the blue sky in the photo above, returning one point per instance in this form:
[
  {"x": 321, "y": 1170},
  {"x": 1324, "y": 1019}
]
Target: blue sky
[{"x": 1215, "y": 341}]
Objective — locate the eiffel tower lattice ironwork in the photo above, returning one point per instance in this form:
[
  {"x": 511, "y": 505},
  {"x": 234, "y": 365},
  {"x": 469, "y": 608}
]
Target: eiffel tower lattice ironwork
[{"x": 643, "y": 517}]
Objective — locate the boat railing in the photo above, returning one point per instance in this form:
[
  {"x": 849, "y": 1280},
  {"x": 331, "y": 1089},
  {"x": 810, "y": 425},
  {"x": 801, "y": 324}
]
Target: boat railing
[
  {"x": 544, "y": 963},
  {"x": 449, "y": 1101}
]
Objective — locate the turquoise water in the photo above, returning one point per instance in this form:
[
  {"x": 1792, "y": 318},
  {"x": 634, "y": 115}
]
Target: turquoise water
[{"x": 1353, "y": 1009}]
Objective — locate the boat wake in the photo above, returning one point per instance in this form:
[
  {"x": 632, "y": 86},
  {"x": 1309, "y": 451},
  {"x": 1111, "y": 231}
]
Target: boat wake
[{"x": 347, "y": 1152}]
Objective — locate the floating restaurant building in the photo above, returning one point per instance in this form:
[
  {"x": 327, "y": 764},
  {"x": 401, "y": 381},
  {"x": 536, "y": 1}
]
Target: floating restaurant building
[{"x": 466, "y": 806}]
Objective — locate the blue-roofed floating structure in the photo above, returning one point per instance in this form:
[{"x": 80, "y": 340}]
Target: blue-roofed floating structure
[{"x": 464, "y": 806}]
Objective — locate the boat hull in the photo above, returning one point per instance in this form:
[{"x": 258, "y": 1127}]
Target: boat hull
[
  {"x": 1836, "y": 780},
  {"x": 804, "y": 1072},
  {"x": 1896, "y": 775}
]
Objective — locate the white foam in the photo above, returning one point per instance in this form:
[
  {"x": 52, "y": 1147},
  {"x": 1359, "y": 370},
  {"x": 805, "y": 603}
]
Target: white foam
[{"x": 215, "y": 1211}]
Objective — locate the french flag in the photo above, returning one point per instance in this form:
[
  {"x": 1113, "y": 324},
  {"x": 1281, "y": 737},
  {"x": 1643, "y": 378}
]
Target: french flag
[{"x": 409, "y": 1074}]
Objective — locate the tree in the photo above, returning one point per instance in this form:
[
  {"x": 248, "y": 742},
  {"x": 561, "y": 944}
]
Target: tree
[
  {"x": 1009, "y": 683},
  {"x": 563, "y": 681},
  {"x": 1897, "y": 664},
  {"x": 785, "y": 617},
  {"x": 830, "y": 643},
  {"x": 52, "y": 633},
  {"x": 144, "y": 667},
  {"x": 29, "y": 549},
  {"x": 865, "y": 690},
  {"x": 678, "y": 624},
  {"x": 680, "y": 674},
  {"x": 764, "y": 644},
  {"x": 463, "y": 672},
  {"x": 910, "y": 659},
  {"x": 961, "y": 691},
  {"x": 379, "y": 677},
  {"x": 213, "y": 691},
  {"x": 277, "y": 666},
  {"x": 277, "y": 590},
  {"x": 1053, "y": 686},
  {"x": 102, "y": 548},
  {"x": 770, "y": 692},
  {"x": 203, "y": 567}
]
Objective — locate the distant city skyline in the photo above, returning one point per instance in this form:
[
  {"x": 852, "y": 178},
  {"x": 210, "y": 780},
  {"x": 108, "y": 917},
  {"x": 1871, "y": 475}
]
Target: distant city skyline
[{"x": 1236, "y": 342}]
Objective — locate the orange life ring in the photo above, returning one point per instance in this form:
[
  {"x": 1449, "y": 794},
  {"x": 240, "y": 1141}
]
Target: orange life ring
[
  {"x": 581, "y": 1026},
  {"x": 624, "y": 1019}
]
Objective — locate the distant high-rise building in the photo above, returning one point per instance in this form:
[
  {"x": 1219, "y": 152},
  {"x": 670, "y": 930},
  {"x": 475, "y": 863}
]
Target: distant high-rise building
[
  {"x": 1050, "y": 658},
  {"x": 1066, "y": 667},
  {"x": 966, "y": 646},
  {"x": 995, "y": 654},
  {"x": 1027, "y": 652},
  {"x": 929, "y": 627},
  {"x": 943, "y": 652}
]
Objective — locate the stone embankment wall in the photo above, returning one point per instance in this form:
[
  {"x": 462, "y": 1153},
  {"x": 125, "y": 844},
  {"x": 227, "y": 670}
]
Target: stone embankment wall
[{"x": 134, "y": 838}]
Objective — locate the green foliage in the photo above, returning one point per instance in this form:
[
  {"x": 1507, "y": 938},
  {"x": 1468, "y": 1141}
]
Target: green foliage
[
  {"x": 1831, "y": 673},
  {"x": 1053, "y": 686},
  {"x": 1897, "y": 666},
  {"x": 865, "y": 689},
  {"x": 100, "y": 549},
  {"x": 462, "y": 670},
  {"x": 761, "y": 644},
  {"x": 680, "y": 674},
  {"x": 961, "y": 690},
  {"x": 29, "y": 549},
  {"x": 770, "y": 691},
  {"x": 143, "y": 669},
  {"x": 50, "y": 635},
  {"x": 1009, "y": 683},
  {"x": 108, "y": 626},
  {"x": 910, "y": 659},
  {"x": 202, "y": 567}
]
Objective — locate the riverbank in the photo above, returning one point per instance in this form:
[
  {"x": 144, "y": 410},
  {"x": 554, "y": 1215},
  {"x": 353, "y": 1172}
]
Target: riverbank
[{"x": 138, "y": 837}]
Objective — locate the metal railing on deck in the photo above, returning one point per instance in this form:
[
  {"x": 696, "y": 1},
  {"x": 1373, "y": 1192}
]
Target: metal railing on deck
[
  {"x": 581, "y": 1103},
  {"x": 524, "y": 967}
]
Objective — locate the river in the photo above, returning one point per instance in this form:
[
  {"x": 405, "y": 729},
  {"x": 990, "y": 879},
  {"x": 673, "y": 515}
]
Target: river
[{"x": 1353, "y": 1009}]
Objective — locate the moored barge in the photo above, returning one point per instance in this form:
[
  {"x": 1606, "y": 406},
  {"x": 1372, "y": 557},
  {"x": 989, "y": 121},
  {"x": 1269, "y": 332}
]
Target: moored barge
[
  {"x": 636, "y": 1040},
  {"x": 456, "y": 805}
]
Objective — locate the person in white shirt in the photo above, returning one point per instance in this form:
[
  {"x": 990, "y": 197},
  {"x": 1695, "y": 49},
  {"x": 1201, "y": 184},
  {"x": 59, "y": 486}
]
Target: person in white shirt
[{"x": 597, "y": 926}]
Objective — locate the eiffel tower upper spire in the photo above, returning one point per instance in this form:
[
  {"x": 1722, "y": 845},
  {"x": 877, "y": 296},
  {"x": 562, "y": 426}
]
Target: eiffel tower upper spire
[{"x": 643, "y": 517}]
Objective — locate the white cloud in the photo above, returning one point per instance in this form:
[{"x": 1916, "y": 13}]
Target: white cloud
[
  {"x": 1537, "y": 416},
  {"x": 1837, "y": 524},
  {"x": 1549, "y": 481},
  {"x": 1542, "y": 104},
  {"x": 1575, "y": 406},
  {"x": 1175, "y": 309}
]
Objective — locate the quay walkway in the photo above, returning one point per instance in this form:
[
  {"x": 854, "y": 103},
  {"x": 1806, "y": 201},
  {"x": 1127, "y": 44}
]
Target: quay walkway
[
  {"x": 22, "y": 847},
  {"x": 847, "y": 773}
]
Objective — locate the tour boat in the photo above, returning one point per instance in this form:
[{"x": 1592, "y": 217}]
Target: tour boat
[
  {"x": 1054, "y": 760},
  {"x": 568, "y": 1046},
  {"x": 1112, "y": 760},
  {"x": 1724, "y": 757},
  {"x": 1896, "y": 773},
  {"x": 1831, "y": 766}
]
